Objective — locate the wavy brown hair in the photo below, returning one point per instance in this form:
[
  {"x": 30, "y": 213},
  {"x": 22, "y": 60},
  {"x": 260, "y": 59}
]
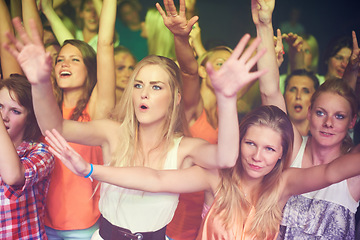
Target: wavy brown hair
[
  {"x": 20, "y": 91},
  {"x": 89, "y": 58}
]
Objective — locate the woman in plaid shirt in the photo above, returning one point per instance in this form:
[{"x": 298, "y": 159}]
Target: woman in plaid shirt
[{"x": 25, "y": 164}]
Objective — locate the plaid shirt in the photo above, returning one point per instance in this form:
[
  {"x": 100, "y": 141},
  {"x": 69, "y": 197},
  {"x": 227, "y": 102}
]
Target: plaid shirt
[{"x": 22, "y": 207}]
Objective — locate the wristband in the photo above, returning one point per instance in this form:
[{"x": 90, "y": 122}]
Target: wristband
[{"x": 91, "y": 171}]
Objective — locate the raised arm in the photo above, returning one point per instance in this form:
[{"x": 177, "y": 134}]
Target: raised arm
[
  {"x": 269, "y": 83},
  {"x": 103, "y": 96},
  {"x": 37, "y": 64},
  {"x": 180, "y": 27},
  {"x": 60, "y": 30},
  {"x": 9, "y": 64},
  {"x": 352, "y": 69},
  {"x": 234, "y": 74}
]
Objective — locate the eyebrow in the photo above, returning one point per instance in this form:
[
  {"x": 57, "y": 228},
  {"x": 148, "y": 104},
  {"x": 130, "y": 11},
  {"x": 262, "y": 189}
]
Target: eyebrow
[{"x": 151, "y": 82}]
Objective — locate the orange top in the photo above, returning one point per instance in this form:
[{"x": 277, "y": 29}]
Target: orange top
[
  {"x": 213, "y": 228},
  {"x": 187, "y": 219},
  {"x": 70, "y": 204}
]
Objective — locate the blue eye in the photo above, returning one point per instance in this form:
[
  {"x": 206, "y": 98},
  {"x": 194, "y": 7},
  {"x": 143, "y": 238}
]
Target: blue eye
[
  {"x": 319, "y": 113},
  {"x": 249, "y": 143},
  {"x": 16, "y": 112},
  {"x": 156, "y": 87},
  {"x": 59, "y": 60},
  {"x": 270, "y": 149},
  {"x": 339, "y": 116},
  {"x": 137, "y": 85}
]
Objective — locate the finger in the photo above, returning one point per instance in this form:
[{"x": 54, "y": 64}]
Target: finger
[
  {"x": 355, "y": 42},
  {"x": 21, "y": 31},
  {"x": 161, "y": 11},
  {"x": 249, "y": 64},
  {"x": 193, "y": 21},
  {"x": 257, "y": 74},
  {"x": 56, "y": 153},
  {"x": 61, "y": 139},
  {"x": 172, "y": 8},
  {"x": 278, "y": 37},
  {"x": 182, "y": 8},
  {"x": 11, "y": 50},
  {"x": 240, "y": 47},
  {"x": 51, "y": 139},
  {"x": 35, "y": 34},
  {"x": 18, "y": 45},
  {"x": 250, "y": 50}
]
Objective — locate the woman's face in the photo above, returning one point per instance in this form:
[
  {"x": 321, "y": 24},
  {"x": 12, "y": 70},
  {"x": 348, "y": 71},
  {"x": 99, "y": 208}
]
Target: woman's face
[
  {"x": 217, "y": 59},
  {"x": 260, "y": 151},
  {"x": 152, "y": 95},
  {"x": 70, "y": 69},
  {"x": 90, "y": 17},
  {"x": 297, "y": 97},
  {"x": 330, "y": 118},
  {"x": 124, "y": 66},
  {"x": 14, "y": 116},
  {"x": 129, "y": 15},
  {"x": 338, "y": 63}
]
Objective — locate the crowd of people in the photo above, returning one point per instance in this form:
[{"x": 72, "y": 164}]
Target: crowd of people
[{"x": 118, "y": 128}]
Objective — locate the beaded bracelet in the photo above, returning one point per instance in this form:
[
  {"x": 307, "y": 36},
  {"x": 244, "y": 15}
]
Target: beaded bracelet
[{"x": 91, "y": 171}]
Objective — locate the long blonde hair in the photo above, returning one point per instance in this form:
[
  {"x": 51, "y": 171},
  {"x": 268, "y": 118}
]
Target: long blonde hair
[
  {"x": 231, "y": 204},
  {"x": 174, "y": 126},
  {"x": 160, "y": 39}
]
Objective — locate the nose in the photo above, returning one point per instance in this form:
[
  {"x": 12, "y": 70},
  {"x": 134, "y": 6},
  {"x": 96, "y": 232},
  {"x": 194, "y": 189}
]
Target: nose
[
  {"x": 344, "y": 62},
  {"x": 145, "y": 93},
  {"x": 65, "y": 63},
  {"x": 328, "y": 122},
  {"x": 4, "y": 115},
  {"x": 298, "y": 95},
  {"x": 256, "y": 156},
  {"x": 128, "y": 72}
]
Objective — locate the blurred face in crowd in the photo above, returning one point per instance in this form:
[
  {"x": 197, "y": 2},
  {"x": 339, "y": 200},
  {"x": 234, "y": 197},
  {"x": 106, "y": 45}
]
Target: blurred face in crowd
[
  {"x": 297, "y": 97},
  {"x": 338, "y": 63},
  {"x": 90, "y": 17},
  {"x": 124, "y": 64}
]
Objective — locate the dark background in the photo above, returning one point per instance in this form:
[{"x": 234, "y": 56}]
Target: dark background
[{"x": 226, "y": 21}]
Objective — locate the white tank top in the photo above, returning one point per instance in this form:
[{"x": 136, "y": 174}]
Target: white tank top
[
  {"x": 336, "y": 193},
  {"x": 136, "y": 210}
]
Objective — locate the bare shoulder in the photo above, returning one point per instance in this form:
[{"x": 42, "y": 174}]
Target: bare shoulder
[{"x": 353, "y": 184}]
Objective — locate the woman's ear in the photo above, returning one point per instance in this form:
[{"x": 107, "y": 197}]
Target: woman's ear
[
  {"x": 353, "y": 122},
  {"x": 178, "y": 99},
  {"x": 202, "y": 72}
]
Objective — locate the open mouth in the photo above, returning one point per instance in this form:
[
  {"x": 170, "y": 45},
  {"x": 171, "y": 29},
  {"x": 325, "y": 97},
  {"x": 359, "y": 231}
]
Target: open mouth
[
  {"x": 143, "y": 107},
  {"x": 298, "y": 108},
  {"x": 65, "y": 74}
]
